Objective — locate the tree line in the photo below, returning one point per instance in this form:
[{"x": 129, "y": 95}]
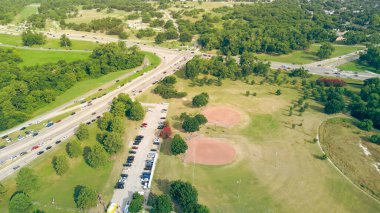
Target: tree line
[{"x": 24, "y": 90}]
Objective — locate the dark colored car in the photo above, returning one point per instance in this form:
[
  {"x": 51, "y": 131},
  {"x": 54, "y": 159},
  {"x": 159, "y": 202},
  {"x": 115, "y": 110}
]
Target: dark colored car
[
  {"x": 23, "y": 153},
  {"x": 57, "y": 142},
  {"x": 40, "y": 152},
  {"x": 23, "y": 128},
  {"x": 2, "y": 147},
  {"x": 127, "y": 164},
  {"x": 49, "y": 147},
  {"x": 124, "y": 175},
  {"x": 4, "y": 137},
  {"x": 132, "y": 152},
  {"x": 120, "y": 185},
  {"x": 153, "y": 150}
]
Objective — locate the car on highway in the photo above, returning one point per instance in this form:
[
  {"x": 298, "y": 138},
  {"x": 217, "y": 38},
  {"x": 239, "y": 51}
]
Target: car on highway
[
  {"x": 40, "y": 152},
  {"x": 49, "y": 124},
  {"x": 73, "y": 113},
  {"x": 57, "y": 142},
  {"x": 2, "y": 147},
  {"x": 23, "y": 128},
  {"x": 153, "y": 150},
  {"x": 16, "y": 167},
  {"x": 49, "y": 147},
  {"x": 23, "y": 153},
  {"x": 4, "y": 137},
  {"x": 14, "y": 157},
  {"x": 35, "y": 147}
]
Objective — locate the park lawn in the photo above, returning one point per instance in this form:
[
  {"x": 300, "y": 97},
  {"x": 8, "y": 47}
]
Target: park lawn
[
  {"x": 357, "y": 66},
  {"x": 61, "y": 188},
  {"x": 40, "y": 57},
  {"x": 25, "y": 13},
  {"x": 50, "y": 43},
  {"x": 276, "y": 165},
  {"x": 341, "y": 140},
  {"x": 308, "y": 56}
]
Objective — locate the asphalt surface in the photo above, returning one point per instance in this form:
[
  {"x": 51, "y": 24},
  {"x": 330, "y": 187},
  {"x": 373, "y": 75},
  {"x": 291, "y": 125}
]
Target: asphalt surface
[{"x": 133, "y": 184}]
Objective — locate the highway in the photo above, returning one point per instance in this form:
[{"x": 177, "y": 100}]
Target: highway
[{"x": 171, "y": 61}]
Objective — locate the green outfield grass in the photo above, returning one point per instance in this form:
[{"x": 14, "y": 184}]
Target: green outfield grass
[
  {"x": 25, "y": 13},
  {"x": 276, "y": 169},
  {"x": 39, "y": 57},
  {"x": 61, "y": 188},
  {"x": 308, "y": 56},
  {"x": 50, "y": 43},
  {"x": 357, "y": 66}
]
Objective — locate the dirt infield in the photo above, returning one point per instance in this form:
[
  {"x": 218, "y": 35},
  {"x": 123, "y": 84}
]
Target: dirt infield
[
  {"x": 209, "y": 151},
  {"x": 222, "y": 116}
]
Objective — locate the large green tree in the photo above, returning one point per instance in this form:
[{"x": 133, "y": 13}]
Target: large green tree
[
  {"x": 136, "y": 112},
  {"x": 112, "y": 142},
  {"x": 184, "y": 194},
  {"x": 85, "y": 197},
  {"x": 82, "y": 132},
  {"x": 162, "y": 204},
  {"x": 190, "y": 124},
  {"x": 200, "y": 100},
  {"x": 178, "y": 145},
  {"x": 325, "y": 51},
  {"x": 30, "y": 38},
  {"x": 136, "y": 204},
  {"x": 20, "y": 203},
  {"x": 74, "y": 149},
  {"x": 27, "y": 181},
  {"x": 64, "y": 41},
  {"x": 60, "y": 164},
  {"x": 97, "y": 156}
]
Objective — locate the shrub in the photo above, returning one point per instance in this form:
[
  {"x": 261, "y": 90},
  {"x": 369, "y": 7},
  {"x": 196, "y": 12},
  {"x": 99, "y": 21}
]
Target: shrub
[
  {"x": 200, "y": 100},
  {"x": 331, "y": 82},
  {"x": 178, "y": 145},
  {"x": 82, "y": 132},
  {"x": 375, "y": 139}
]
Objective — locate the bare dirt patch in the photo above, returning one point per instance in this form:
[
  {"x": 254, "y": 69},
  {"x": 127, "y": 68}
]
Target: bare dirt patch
[
  {"x": 222, "y": 115},
  {"x": 209, "y": 151}
]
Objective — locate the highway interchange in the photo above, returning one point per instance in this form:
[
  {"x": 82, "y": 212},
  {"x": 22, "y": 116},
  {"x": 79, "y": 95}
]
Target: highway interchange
[{"x": 171, "y": 60}]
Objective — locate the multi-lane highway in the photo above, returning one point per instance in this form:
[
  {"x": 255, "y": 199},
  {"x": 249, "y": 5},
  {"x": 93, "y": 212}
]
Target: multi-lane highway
[{"x": 171, "y": 61}]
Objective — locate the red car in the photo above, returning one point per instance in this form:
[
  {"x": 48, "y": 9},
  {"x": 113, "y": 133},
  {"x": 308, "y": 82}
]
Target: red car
[
  {"x": 135, "y": 147},
  {"x": 144, "y": 124},
  {"x": 35, "y": 147}
]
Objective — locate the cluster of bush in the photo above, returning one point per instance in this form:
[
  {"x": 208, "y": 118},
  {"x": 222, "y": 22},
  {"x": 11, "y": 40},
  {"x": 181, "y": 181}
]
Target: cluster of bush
[
  {"x": 192, "y": 123},
  {"x": 148, "y": 32},
  {"x": 111, "y": 26},
  {"x": 166, "y": 88},
  {"x": 328, "y": 82},
  {"x": 200, "y": 100},
  {"x": 299, "y": 72},
  {"x": 24, "y": 90}
]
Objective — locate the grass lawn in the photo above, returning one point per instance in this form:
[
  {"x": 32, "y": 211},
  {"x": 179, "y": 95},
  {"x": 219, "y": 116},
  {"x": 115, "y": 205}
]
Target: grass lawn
[
  {"x": 342, "y": 141},
  {"x": 308, "y": 56},
  {"x": 50, "y": 43},
  {"x": 276, "y": 169},
  {"x": 39, "y": 57},
  {"x": 25, "y": 13},
  {"x": 356, "y": 66},
  {"x": 86, "y": 16},
  {"x": 61, "y": 188}
]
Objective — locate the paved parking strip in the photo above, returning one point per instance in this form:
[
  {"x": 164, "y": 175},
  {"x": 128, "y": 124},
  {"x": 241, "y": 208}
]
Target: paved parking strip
[{"x": 133, "y": 183}]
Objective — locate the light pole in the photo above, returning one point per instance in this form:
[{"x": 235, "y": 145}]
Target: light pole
[{"x": 238, "y": 189}]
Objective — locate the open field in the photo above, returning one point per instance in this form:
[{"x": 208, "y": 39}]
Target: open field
[
  {"x": 25, "y": 13},
  {"x": 61, "y": 188},
  {"x": 50, "y": 43},
  {"x": 356, "y": 66},
  {"x": 348, "y": 147},
  {"x": 308, "y": 56},
  {"x": 276, "y": 169},
  {"x": 39, "y": 57},
  {"x": 85, "y": 16}
]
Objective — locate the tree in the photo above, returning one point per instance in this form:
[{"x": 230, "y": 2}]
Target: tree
[
  {"x": 190, "y": 124},
  {"x": 97, "y": 156},
  {"x": 104, "y": 121},
  {"x": 160, "y": 38},
  {"x": 82, "y": 132},
  {"x": 178, "y": 145},
  {"x": 371, "y": 57},
  {"x": 184, "y": 194},
  {"x": 64, "y": 41},
  {"x": 3, "y": 190},
  {"x": 162, "y": 204},
  {"x": 20, "y": 202},
  {"x": 334, "y": 106},
  {"x": 198, "y": 208},
  {"x": 366, "y": 125},
  {"x": 116, "y": 125},
  {"x": 74, "y": 149},
  {"x": 60, "y": 164},
  {"x": 112, "y": 142},
  {"x": 201, "y": 119},
  {"x": 27, "y": 181},
  {"x": 30, "y": 38},
  {"x": 136, "y": 112},
  {"x": 200, "y": 100},
  {"x": 85, "y": 197},
  {"x": 278, "y": 92},
  {"x": 375, "y": 139},
  {"x": 185, "y": 37},
  {"x": 325, "y": 51},
  {"x": 136, "y": 203}
]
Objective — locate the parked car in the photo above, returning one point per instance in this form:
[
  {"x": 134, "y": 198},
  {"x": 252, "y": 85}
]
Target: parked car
[
  {"x": 49, "y": 147},
  {"x": 40, "y": 152},
  {"x": 132, "y": 152}
]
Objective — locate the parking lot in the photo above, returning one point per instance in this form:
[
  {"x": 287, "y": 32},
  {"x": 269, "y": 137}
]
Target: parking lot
[{"x": 138, "y": 169}]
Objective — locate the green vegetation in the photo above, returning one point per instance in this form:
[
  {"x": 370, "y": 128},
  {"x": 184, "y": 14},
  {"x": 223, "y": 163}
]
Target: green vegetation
[
  {"x": 85, "y": 197},
  {"x": 356, "y": 66},
  {"x": 166, "y": 88},
  {"x": 19, "y": 104},
  {"x": 200, "y": 100},
  {"x": 178, "y": 145},
  {"x": 82, "y": 132},
  {"x": 342, "y": 141},
  {"x": 325, "y": 51},
  {"x": 27, "y": 181},
  {"x": 25, "y": 13},
  {"x": 60, "y": 164},
  {"x": 308, "y": 55},
  {"x": 50, "y": 43},
  {"x": 161, "y": 204},
  {"x": 186, "y": 196},
  {"x": 371, "y": 57},
  {"x": 136, "y": 203},
  {"x": 20, "y": 202},
  {"x": 74, "y": 149},
  {"x": 30, "y": 38},
  {"x": 41, "y": 57},
  {"x": 64, "y": 41}
]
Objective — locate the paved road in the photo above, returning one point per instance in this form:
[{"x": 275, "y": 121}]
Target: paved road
[
  {"x": 122, "y": 197},
  {"x": 170, "y": 62}
]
